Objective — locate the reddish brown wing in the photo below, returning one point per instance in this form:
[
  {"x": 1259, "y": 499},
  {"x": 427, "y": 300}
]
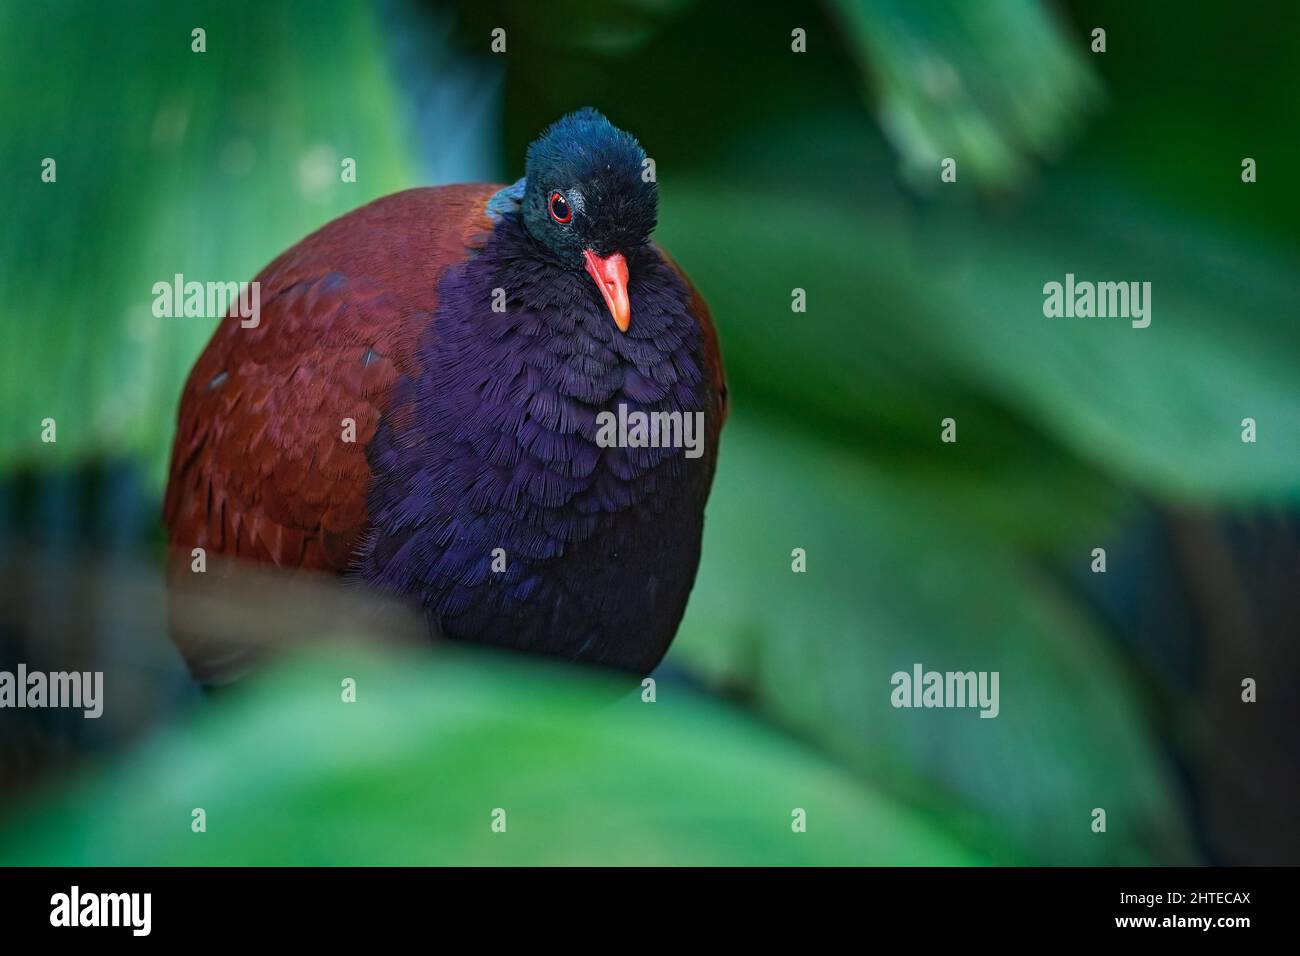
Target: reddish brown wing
[{"x": 260, "y": 466}]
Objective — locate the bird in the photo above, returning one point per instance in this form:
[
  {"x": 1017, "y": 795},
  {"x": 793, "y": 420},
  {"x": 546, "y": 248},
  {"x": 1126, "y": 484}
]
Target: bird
[{"x": 417, "y": 409}]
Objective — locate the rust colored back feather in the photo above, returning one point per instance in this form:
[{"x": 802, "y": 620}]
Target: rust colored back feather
[{"x": 259, "y": 469}]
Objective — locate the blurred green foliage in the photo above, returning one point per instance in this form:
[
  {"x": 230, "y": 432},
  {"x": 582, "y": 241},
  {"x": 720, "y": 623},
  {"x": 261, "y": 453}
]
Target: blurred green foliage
[
  {"x": 777, "y": 171},
  {"x": 167, "y": 161},
  {"x": 893, "y": 581},
  {"x": 997, "y": 83},
  {"x": 411, "y": 773}
]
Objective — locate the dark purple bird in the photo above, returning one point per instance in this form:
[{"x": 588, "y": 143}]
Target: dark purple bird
[{"x": 480, "y": 339}]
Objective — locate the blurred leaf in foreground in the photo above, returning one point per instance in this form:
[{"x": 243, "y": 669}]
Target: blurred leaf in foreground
[{"x": 412, "y": 771}]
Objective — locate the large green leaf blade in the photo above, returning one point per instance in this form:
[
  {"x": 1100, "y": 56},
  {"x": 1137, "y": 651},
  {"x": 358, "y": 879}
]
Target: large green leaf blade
[
  {"x": 894, "y": 580},
  {"x": 411, "y": 773}
]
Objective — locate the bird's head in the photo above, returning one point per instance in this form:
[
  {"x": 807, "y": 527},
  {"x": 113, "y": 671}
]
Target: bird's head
[{"x": 588, "y": 199}]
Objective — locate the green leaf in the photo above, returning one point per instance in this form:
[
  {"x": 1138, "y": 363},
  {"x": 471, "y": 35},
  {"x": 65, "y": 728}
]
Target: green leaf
[
  {"x": 895, "y": 578},
  {"x": 908, "y": 322},
  {"x": 997, "y": 85},
  {"x": 168, "y": 161},
  {"x": 411, "y": 773}
]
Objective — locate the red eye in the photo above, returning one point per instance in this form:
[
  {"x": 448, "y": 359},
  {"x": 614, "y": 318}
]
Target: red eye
[{"x": 560, "y": 210}]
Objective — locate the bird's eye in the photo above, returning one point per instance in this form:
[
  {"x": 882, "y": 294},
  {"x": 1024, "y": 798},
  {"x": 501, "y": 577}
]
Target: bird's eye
[{"x": 560, "y": 210}]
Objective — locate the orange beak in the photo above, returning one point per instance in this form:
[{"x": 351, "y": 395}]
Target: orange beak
[{"x": 610, "y": 274}]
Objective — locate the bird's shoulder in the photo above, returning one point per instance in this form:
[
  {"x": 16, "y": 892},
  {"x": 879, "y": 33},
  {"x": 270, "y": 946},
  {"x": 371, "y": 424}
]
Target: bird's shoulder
[{"x": 269, "y": 459}]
